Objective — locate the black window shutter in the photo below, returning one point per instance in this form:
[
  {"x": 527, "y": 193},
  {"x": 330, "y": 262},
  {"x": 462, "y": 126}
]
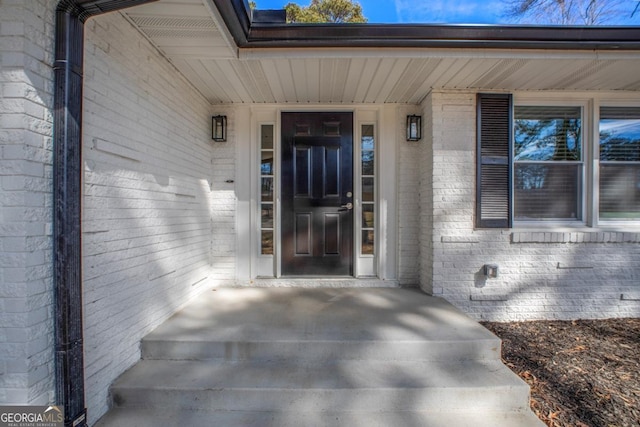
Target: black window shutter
[{"x": 493, "y": 182}]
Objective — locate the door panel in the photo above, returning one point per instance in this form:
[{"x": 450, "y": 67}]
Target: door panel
[
  {"x": 303, "y": 233},
  {"x": 332, "y": 234},
  {"x": 317, "y": 184},
  {"x": 302, "y": 172},
  {"x": 331, "y": 173}
]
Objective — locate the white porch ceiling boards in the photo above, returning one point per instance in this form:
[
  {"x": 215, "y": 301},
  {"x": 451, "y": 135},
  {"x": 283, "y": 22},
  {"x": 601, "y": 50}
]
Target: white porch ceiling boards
[
  {"x": 183, "y": 28},
  {"x": 193, "y": 38}
]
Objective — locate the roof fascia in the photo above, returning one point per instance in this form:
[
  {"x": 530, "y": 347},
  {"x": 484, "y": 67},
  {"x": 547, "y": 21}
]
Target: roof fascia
[
  {"x": 443, "y": 36},
  {"x": 237, "y": 16}
]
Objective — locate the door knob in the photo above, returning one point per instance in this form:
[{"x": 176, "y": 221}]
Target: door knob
[{"x": 348, "y": 206}]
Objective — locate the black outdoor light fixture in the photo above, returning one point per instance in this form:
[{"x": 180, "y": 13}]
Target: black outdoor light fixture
[
  {"x": 414, "y": 128},
  {"x": 219, "y": 128}
]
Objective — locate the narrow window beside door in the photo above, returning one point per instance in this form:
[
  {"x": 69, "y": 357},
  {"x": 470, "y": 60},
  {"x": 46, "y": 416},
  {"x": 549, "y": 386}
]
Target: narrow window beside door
[
  {"x": 368, "y": 173},
  {"x": 267, "y": 179}
]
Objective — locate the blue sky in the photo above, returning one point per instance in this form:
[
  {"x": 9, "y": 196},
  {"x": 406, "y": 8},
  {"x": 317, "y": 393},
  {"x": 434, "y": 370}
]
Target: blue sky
[{"x": 435, "y": 11}]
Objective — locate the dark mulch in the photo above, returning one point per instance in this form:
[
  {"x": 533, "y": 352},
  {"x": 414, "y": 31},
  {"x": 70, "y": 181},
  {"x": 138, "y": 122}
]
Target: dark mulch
[{"x": 581, "y": 373}]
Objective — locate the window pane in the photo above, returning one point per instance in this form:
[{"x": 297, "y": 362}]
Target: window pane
[
  {"x": 266, "y": 137},
  {"x": 267, "y": 243},
  {"x": 267, "y": 189},
  {"x": 619, "y": 134},
  {"x": 368, "y": 242},
  {"x": 367, "y": 130},
  {"x": 367, "y": 189},
  {"x": 368, "y": 142},
  {"x": 267, "y": 215},
  {"x": 367, "y": 216},
  {"x": 619, "y": 191},
  {"x": 547, "y": 133},
  {"x": 547, "y": 191},
  {"x": 368, "y": 163},
  {"x": 266, "y": 167}
]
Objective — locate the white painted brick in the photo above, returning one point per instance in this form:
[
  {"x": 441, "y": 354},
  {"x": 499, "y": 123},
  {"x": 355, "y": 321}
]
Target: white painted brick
[
  {"x": 143, "y": 106},
  {"x": 529, "y": 278},
  {"x": 149, "y": 205}
]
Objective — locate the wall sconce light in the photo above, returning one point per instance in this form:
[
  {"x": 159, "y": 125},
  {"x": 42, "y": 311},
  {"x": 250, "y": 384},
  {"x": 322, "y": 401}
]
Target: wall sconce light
[
  {"x": 491, "y": 271},
  {"x": 414, "y": 128},
  {"x": 219, "y": 128}
]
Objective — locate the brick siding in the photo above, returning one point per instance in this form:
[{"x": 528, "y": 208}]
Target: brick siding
[
  {"x": 542, "y": 275},
  {"x": 26, "y": 316},
  {"x": 153, "y": 205}
]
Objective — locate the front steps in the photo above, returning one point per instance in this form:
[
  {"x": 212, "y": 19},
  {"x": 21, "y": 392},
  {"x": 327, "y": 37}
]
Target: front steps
[{"x": 320, "y": 357}]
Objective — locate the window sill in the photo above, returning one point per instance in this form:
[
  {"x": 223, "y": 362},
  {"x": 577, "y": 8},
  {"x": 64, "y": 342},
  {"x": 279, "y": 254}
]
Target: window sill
[{"x": 581, "y": 235}]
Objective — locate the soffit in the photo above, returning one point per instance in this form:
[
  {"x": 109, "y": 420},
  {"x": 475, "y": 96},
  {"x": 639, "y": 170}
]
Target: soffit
[{"x": 192, "y": 35}]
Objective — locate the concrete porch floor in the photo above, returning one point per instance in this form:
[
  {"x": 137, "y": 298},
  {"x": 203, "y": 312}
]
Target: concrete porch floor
[{"x": 321, "y": 356}]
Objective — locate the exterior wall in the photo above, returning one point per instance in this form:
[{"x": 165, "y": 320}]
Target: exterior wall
[
  {"x": 225, "y": 170},
  {"x": 152, "y": 183},
  {"x": 409, "y": 196},
  {"x": 26, "y": 315},
  {"x": 544, "y": 274},
  {"x": 426, "y": 199},
  {"x": 158, "y": 219}
]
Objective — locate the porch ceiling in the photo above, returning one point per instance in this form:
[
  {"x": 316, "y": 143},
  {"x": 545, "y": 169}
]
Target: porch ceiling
[{"x": 193, "y": 36}]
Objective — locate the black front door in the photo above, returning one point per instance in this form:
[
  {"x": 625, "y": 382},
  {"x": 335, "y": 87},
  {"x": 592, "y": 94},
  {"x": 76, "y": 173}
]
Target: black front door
[{"x": 317, "y": 194}]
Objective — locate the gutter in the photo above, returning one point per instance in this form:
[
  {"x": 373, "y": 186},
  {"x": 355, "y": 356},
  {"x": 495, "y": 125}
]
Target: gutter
[
  {"x": 67, "y": 200},
  {"x": 443, "y": 36}
]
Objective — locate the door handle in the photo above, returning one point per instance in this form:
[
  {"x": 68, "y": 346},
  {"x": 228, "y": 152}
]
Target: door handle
[{"x": 346, "y": 207}]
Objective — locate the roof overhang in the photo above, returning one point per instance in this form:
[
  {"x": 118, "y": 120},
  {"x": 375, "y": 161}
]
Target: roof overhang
[{"x": 232, "y": 57}]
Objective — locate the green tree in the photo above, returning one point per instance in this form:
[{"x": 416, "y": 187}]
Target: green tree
[
  {"x": 335, "y": 11},
  {"x": 570, "y": 12}
]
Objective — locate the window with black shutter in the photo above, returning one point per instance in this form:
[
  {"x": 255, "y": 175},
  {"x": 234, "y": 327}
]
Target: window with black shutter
[{"x": 493, "y": 199}]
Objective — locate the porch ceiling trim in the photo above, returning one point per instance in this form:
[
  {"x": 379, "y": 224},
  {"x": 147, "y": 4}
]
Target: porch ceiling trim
[{"x": 247, "y": 34}]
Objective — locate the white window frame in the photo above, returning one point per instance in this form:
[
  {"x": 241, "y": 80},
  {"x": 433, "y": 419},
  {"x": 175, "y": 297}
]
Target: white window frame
[
  {"x": 590, "y": 104},
  {"x": 366, "y": 264},
  {"x": 586, "y": 143},
  {"x": 633, "y": 224}
]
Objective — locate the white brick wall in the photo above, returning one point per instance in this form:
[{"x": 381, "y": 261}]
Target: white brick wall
[
  {"x": 582, "y": 274},
  {"x": 426, "y": 199},
  {"x": 155, "y": 203},
  {"x": 223, "y": 238},
  {"x": 26, "y": 324},
  {"x": 409, "y": 192}
]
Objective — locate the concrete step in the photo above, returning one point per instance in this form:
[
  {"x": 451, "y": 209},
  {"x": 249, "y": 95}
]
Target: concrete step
[
  {"x": 146, "y": 417},
  {"x": 345, "y": 385},
  {"x": 319, "y": 325},
  {"x": 320, "y": 357},
  {"x": 320, "y": 351}
]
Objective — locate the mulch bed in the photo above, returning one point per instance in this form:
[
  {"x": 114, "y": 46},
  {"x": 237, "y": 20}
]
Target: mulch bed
[{"x": 583, "y": 373}]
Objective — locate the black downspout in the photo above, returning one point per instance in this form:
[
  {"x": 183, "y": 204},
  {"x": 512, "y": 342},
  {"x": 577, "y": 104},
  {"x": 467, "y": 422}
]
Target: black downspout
[{"x": 67, "y": 200}]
